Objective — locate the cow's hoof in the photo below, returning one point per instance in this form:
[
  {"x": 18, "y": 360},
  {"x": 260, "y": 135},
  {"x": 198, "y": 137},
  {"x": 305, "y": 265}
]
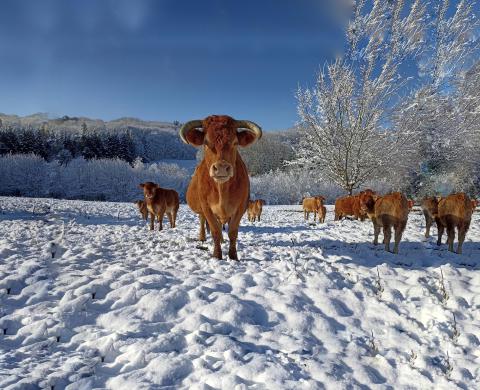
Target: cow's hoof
[
  {"x": 217, "y": 255},
  {"x": 233, "y": 255}
]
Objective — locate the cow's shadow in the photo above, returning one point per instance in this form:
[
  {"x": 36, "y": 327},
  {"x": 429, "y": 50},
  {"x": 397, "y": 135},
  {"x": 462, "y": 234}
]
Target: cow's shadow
[
  {"x": 412, "y": 254},
  {"x": 259, "y": 229}
]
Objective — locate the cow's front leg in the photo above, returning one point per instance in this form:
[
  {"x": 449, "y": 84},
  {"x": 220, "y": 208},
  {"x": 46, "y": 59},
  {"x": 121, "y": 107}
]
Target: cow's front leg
[
  {"x": 232, "y": 235},
  {"x": 160, "y": 219},
  {"x": 216, "y": 231},
  {"x": 152, "y": 221}
]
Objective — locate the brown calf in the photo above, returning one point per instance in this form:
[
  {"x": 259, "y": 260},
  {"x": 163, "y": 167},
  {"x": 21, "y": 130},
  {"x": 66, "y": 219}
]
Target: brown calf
[
  {"x": 315, "y": 205},
  {"x": 430, "y": 211},
  {"x": 322, "y": 213},
  {"x": 411, "y": 203},
  {"x": 475, "y": 204},
  {"x": 254, "y": 209},
  {"x": 142, "y": 207},
  {"x": 220, "y": 187},
  {"x": 454, "y": 211},
  {"x": 387, "y": 211},
  {"x": 160, "y": 201}
]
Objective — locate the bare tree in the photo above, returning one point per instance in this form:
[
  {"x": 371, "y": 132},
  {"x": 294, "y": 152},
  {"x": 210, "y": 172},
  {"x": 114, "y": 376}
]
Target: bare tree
[{"x": 343, "y": 119}]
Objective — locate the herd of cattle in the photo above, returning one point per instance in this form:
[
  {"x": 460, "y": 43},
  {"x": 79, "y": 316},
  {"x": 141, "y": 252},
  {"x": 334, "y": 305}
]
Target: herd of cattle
[
  {"x": 219, "y": 193},
  {"x": 391, "y": 210}
]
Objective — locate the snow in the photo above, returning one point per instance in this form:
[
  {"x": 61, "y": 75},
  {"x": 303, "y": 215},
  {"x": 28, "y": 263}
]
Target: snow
[{"x": 120, "y": 307}]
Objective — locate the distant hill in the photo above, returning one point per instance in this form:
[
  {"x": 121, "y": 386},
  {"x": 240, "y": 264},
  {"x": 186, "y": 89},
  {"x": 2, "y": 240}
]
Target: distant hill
[
  {"x": 75, "y": 123},
  {"x": 152, "y": 140}
]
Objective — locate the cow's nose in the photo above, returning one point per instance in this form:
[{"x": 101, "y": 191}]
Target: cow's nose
[{"x": 221, "y": 169}]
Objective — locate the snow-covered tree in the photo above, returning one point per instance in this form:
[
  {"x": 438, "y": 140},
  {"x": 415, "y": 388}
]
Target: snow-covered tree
[
  {"x": 343, "y": 119},
  {"x": 442, "y": 109}
]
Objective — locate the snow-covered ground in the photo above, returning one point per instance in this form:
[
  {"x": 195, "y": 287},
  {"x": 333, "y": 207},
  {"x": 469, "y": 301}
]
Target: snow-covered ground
[{"x": 121, "y": 307}]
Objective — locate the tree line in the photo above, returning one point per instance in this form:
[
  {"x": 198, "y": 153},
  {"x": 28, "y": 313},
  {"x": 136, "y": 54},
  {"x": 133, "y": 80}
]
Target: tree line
[{"x": 64, "y": 147}]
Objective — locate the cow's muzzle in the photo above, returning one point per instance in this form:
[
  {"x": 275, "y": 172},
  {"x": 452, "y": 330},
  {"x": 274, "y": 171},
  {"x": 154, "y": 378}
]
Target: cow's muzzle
[{"x": 221, "y": 171}]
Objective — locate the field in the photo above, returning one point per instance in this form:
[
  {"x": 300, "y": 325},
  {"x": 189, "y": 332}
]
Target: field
[{"x": 90, "y": 298}]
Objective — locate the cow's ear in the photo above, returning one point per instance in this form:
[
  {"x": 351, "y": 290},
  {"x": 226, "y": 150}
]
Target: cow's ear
[
  {"x": 195, "y": 137},
  {"x": 141, "y": 185},
  {"x": 245, "y": 138}
]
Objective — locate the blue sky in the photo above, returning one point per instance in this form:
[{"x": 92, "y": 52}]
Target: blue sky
[{"x": 164, "y": 60}]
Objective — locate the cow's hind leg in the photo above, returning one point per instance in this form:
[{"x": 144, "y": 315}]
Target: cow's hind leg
[
  {"x": 450, "y": 234},
  {"x": 174, "y": 217},
  {"x": 440, "y": 229},
  {"x": 201, "y": 234},
  {"x": 376, "y": 231},
  {"x": 399, "y": 228},
  {"x": 387, "y": 235},
  {"x": 428, "y": 224},
  {"x": 462, "y": 232},
  {"x": 170, "y": 219}
]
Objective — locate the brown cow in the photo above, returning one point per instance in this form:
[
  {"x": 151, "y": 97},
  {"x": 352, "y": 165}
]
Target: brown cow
[
  {"x": 322, "y": 213},
  {"x": 314, "y": 204},
  {"x": 387, "y": 211},
  {"x": 411, "y": 203},
  {"x": 254, "y": 209},
  {"x": 220, "y": 187},
  {"x": 430, "y": 211},
  {"x": 160, "y": 201},
  {"x": 454, "y": 211},
  {"x": 350, "y": 205},
  {"x": 346, "y": 206},
  {"x": 475, "y": 204},
  {"x": 142, "y": 208}
]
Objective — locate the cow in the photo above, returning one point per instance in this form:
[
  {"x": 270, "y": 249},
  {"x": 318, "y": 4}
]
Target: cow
[
  {"x": 411, "y": 203},
  {"x": 254, "y": 209},
  {"x": 220, "y": 188},
  {"x": 386, "y": 211},
  {"x": 347, "y": 206},
  {"x": 322, "y": 213},
  {"x": 430, "y": 211},
  {"x": 314, "y": 204},
  {"x": 475, "y": 204},
  {"x": 454, "y": 211},
  {"x": 160, "y": 201},
  {"x": 142, "y": 208},
  {"x": 350, "y": 205}
]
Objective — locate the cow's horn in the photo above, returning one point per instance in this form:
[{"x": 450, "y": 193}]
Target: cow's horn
[
  {"x": 250, "y": 126},
  {"x": 187, "y": 127}
]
